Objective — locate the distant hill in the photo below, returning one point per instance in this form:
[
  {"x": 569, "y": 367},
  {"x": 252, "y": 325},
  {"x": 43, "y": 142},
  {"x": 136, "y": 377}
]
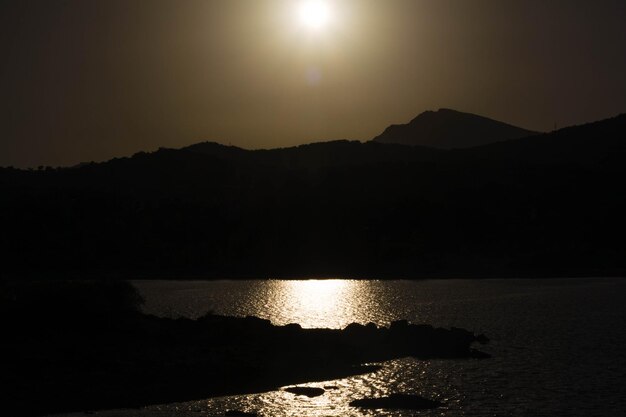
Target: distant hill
[
  {"x": 545, "y": 205},
  {"x": 601, "y": 142},
  {"x": 317, "y": 156},
  {"x": 448, "y": 129}
]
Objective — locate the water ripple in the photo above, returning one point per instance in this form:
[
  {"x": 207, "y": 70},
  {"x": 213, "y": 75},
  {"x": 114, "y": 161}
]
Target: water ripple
[{"x": 557, "y": 345}]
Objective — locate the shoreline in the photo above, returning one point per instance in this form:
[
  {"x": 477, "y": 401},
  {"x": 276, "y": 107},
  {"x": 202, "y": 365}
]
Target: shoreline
[
  {"x": 122, "y": 358},
  {"x": 304, "y": 277}
]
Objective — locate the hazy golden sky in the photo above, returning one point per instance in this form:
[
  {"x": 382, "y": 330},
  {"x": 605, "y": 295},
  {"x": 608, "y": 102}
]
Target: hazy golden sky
[{"x": 85, "y": 80}]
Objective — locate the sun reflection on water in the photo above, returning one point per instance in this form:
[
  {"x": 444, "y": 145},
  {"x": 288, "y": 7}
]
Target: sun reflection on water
[
  {"x": 308, "y": 300},
  {"x": 503, "y": 385}
]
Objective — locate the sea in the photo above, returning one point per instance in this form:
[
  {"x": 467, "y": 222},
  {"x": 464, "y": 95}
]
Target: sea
[{"x": 558, "y": 346}]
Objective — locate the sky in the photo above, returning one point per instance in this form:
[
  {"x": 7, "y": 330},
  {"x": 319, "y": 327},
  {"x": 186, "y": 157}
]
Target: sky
[{"x": 89, "y": 80}]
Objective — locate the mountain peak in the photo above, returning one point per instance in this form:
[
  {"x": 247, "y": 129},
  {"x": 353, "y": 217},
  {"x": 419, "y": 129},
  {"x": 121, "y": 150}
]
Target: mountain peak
[{"x": 447, "y": 129}]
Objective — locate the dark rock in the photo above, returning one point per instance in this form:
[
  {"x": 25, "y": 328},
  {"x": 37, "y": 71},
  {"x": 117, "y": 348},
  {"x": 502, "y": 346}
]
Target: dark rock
[
  {"x": 292, "y": 327},
  {"x": 354, "y": 328},
  {"x": 307, "y": 391},
  {"x": 399, "y": 324},
  {"x": 396, "y": 402},
  {"x": 238, "y": 413},
  {"x": 258, "y": 323},
  {"x": 477, "y": 354},
  {"x": 371, "y": 326}
]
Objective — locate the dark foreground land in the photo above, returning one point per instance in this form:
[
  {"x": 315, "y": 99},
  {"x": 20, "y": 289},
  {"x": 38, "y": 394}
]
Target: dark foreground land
[{"x": 86, "y": 346}]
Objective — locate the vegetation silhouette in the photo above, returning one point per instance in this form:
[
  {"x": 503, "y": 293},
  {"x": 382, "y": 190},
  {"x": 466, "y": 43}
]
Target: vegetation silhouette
[
  {"x": 84, "y": 345},
  {"x": 546, "y": 205}
]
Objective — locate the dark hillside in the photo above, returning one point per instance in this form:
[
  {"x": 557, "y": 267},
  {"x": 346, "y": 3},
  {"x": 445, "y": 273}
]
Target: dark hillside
[{"x": 548, "y": 205}]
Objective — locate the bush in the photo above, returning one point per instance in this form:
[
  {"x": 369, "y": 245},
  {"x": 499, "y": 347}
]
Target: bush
[{"x": 70, "y": 298}]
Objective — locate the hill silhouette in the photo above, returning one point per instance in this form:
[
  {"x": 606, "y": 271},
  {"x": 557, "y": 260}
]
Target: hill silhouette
[
  {"x": 546, "y": 205},
  {"x": 448, "y": 129}
]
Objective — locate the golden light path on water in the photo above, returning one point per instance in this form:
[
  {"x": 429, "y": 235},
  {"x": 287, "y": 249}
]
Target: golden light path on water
[
  {"x": 534, "y": 328},
  {"x": 322, "y": 303},
  {"x": 308, "y": 301}
]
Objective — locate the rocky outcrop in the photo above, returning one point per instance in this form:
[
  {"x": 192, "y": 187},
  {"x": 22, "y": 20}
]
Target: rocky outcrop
[
  {"x": 134, "y": 360},
  {"x": 306, "y": 391},
  {"x": 396, "y": 402}
]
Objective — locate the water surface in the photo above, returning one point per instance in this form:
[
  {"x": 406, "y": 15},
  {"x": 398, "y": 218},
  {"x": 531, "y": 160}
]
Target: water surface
[{"x": 557, "y": 345}]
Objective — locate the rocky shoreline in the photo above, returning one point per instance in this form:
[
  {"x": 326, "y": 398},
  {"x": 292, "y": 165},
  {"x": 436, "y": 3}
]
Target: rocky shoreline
[{"x": 63, "y": 363}]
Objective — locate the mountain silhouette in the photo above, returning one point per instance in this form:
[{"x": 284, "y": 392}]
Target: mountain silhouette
[
  {"x": 545, "y": 205},
  {"x": 448, "y": 129}
]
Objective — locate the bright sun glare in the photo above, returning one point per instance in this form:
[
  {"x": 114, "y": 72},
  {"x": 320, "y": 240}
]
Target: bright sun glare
[{"x": 314, "y": 14}]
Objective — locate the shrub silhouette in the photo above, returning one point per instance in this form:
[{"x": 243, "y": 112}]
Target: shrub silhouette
[{"x": 69, "y": 300}]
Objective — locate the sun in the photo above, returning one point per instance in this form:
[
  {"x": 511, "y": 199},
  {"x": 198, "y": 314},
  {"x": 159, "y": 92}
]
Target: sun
[{"x": 314, "y": 14}]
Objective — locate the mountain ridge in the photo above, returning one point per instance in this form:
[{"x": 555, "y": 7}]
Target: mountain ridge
[
  {"x": 451, "y": 129},
  {"x": 547, "y": 205}
]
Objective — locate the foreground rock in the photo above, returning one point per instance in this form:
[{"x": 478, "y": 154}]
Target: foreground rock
[
  {"x": 396, "y": 402},
  {"x": 306, "y": 391},
  {"x": 122, "y": 358},
  {"x": 238, "y": 413}
]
